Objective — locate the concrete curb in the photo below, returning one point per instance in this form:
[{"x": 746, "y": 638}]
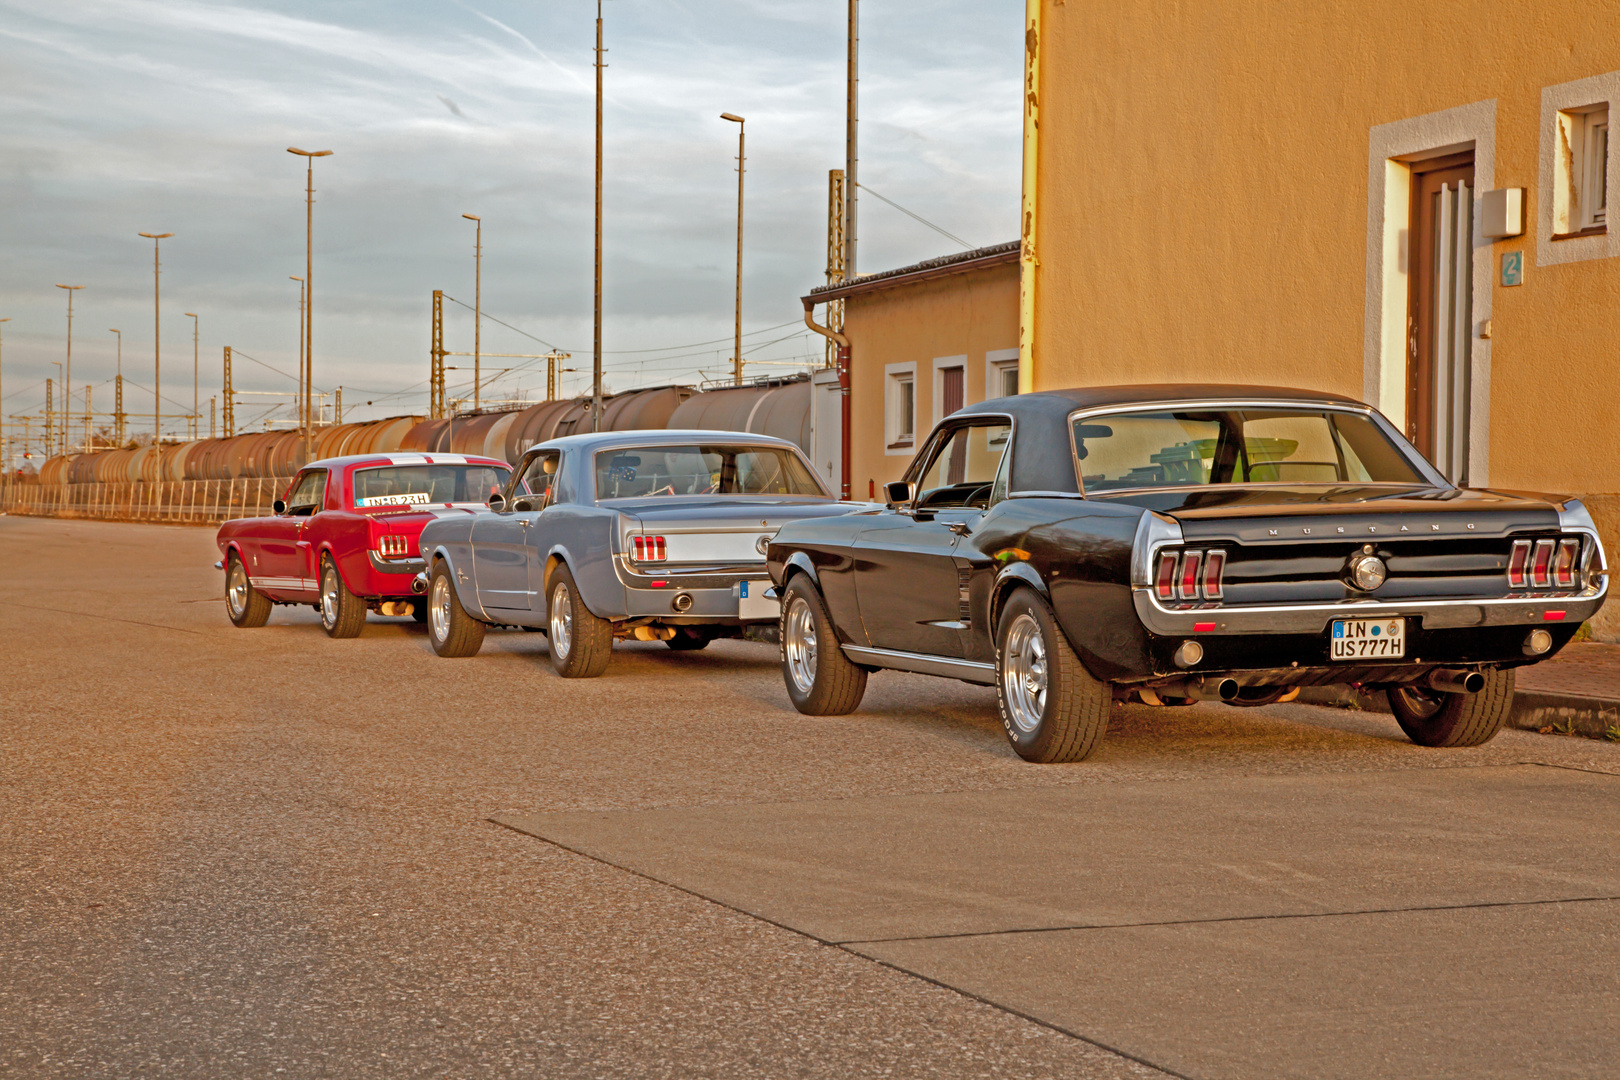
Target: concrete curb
[{"x": 1532, "y": 709}]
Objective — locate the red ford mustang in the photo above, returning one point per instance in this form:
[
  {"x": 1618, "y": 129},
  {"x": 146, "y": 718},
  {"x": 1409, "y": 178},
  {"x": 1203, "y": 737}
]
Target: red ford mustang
[{"x": 344, "y": 537}]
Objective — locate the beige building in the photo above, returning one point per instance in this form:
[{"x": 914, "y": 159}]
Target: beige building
[
  {"x": 924, "y": 341},
  {"x": 1403, "y": 204}
]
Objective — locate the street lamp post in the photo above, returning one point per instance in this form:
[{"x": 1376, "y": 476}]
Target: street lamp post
[
  {"x": 736, "y": 356},
  {"x": 478, "y": 302},
  {"x": 302, "y": 308},
  {"x": 309, "y": 279},
  {"x": 157, "y": 343},
  {"x": 596, "y": 332},
  {"x": 195, "y": 415},
  {"x": 5, "y": 462},
  {"x": 51, "y": 445},
  {"x": 118, "y": 391},
  {"x": 67, "y": 378}
]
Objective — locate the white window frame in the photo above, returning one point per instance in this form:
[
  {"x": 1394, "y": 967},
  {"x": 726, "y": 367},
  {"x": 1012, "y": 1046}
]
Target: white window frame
[
  {"x": 941, "y": 365},
  {"x": 1564, "y": 211},
  {"x": 894, "y": 375},
  {"x": 995, "y": 362}
]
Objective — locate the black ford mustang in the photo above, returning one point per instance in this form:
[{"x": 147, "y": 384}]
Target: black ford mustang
[{"x": 1169, "y": 544}]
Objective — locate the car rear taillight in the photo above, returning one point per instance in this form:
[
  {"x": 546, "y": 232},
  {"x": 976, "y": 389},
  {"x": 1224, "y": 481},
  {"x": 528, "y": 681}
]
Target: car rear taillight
[
  {"x": 1214, "y": 570},
  {"x": 1190, "y": 575},
  {"x": 390, "y": 546},
  {"x": 1541, "y": 565},
  {"x": 1518, "y": 565},
  {"x": 1188, "y": 587},
  {"x": 647, "y": 548},
  {"x": 1164, "y": 585},
  {"x": 1564, "y": 563}
]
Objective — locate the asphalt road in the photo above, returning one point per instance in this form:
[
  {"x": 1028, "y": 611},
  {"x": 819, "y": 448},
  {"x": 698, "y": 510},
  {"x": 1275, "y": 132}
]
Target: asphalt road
[{"x": 262, "y": 853}]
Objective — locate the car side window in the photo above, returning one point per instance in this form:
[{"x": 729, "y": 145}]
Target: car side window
[
  {"x": 963, "y": 467},
  {"x": 998, "y": 489},
  {"x": 538, "y": 481},
  {"x": 308, "y": 495}
]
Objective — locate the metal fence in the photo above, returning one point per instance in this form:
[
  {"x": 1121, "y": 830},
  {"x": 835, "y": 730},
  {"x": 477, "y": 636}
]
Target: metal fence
[{"x": 196, "y": 501}]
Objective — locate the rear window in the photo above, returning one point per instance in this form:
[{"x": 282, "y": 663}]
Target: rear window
[
  {"x": 403, "y": 485},
  {"x": 706, "y": 469},
  {"x": 1236, "y": 446}
]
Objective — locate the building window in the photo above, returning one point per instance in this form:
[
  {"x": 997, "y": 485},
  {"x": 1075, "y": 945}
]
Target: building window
[
  {"x": 1001, "y": 373},
  {"x": 900, "y": 407},
  {"x": 1581, "y": 167}
]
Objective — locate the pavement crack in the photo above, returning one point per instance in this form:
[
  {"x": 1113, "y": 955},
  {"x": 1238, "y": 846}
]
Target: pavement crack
[
  {"x": 109, "y": 618},
  {"x": 842, "y": 946},
  {"x": 1276, "y": 916}
]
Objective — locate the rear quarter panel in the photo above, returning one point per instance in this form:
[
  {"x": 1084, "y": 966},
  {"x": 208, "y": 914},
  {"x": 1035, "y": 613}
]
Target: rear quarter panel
[
  {"x": 583, "y": 537},
  {"x": 1081, "y": 551}
]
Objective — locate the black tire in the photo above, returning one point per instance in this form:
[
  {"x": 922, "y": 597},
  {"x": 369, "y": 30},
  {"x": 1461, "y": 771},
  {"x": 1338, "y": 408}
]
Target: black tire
[
  {"x": 1051, "y": 707},
  {"x": 820, "y": 679},
  {"x": 343, "y": 614},
  {"x": 1433, "y": 718},
  {"x": 581, "y": 643},
  {"x": 690, "y": 639},
  {"x": 246, "y": 606},
  {"x": 451, "y": 631}
]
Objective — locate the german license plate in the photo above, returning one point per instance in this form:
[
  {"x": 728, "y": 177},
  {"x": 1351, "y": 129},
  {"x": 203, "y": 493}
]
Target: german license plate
[
  {"x": 1368, "y": 639},
  {"x": 752, "y": 603}
]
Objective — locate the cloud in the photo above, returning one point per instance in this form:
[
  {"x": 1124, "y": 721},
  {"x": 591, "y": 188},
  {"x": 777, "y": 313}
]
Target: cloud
[{"x": 157, "y": 115}]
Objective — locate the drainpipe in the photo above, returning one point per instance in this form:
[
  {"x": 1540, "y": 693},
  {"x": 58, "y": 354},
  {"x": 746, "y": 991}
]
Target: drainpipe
[
  {"x": 1028, "y": 262},
  {"x": 842, "y": 342}
]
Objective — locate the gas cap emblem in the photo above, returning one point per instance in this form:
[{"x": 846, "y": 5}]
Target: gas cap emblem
[{"x": 1367, "y": 570}]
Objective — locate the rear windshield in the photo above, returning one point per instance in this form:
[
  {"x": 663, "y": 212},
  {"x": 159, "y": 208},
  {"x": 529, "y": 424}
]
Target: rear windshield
[
  {"x": 1236, "y": 446},
  {"x": 402, "y": 485},
  {"x": 708, "y": 469}
]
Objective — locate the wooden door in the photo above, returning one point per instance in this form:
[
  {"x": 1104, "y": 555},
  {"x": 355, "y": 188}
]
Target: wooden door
[{"x": 1440, "y": 311}]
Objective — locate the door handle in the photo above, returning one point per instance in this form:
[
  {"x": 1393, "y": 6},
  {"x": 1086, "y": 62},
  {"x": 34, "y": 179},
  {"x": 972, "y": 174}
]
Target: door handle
[
  {"x": 958, "y": 527},
  {"x": 525, "y": 522}
]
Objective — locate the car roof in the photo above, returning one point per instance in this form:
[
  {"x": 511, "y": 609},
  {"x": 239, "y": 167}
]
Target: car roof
[
  {"x": 659, "y": 436},
  {"x": 1089, "y": 397},
  {"x": 405, "y": 457}
]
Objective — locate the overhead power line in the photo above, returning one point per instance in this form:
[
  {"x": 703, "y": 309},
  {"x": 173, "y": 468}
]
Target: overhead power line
[{"x": 948, "y": 235}]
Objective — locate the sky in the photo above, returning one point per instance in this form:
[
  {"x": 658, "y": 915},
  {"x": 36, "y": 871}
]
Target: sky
[{"x": 127, "y": 116}]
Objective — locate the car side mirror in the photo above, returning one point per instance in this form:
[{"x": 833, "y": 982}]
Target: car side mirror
[
  {"x": 899, "y": 492},
  {"x": 496, "y": 501},
  {"x": 278, "y": 507}
]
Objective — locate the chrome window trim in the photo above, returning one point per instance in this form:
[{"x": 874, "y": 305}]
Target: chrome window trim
[
  {"x": 1402, "y": 446},
  {"x": 952, "y": 422}
]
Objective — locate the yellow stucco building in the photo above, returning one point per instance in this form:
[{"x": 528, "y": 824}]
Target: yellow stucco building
[{"x": 1403, "y": 204}]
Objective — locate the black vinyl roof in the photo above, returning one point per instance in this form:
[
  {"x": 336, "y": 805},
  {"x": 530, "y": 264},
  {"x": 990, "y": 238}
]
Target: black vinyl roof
[{"x": 1042, "y": 458}]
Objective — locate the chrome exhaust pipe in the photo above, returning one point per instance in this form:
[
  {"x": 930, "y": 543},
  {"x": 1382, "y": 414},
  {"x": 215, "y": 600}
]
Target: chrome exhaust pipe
[
  {"x": 1456, "y": 681},
  {"x": 419, "y": 584},
  {"x": 1200, "y": 690}
]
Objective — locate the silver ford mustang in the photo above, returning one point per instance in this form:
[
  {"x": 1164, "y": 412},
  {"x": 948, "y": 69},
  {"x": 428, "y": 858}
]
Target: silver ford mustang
[{"x": 650, "y": 535}]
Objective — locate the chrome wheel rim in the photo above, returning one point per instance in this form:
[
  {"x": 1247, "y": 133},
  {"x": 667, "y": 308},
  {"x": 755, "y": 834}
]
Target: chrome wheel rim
[
  {"x": 439, "y": 609},
  {"x": 236, "y": 590},
  {"x": 561, "y": 617},
  {"x": 799, "y": 644},
  {"x": 1023, "y": 674},
  {"x": 329, "y": 597}
]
